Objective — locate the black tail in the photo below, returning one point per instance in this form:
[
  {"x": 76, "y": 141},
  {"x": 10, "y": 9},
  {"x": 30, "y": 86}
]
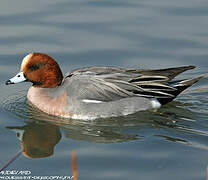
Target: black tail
[{"x": 180, "y": 86}]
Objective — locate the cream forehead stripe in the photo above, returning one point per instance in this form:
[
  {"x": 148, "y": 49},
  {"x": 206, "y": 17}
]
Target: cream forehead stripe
[{"x": 25, "y": 61}]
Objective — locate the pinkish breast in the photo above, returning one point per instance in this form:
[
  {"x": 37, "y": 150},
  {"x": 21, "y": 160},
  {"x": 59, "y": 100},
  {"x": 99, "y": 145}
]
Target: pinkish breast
[{"x": 51, "y": 105}]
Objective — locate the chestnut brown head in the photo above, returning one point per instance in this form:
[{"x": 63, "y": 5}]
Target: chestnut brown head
[{"x": 40, "y": 69}]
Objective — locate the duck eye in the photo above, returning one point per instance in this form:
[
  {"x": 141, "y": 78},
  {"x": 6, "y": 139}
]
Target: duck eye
[{"x": 36, "y": 66}]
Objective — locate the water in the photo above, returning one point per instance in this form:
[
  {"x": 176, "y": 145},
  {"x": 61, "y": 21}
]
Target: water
[{"x": 168, "y": 144}]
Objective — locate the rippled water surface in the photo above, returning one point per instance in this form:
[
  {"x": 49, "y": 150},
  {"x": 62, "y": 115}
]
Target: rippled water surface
[{"x": 171, "y": 143}]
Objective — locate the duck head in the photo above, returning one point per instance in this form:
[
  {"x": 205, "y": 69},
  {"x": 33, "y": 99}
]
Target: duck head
[{"x": 40, "y": 69}]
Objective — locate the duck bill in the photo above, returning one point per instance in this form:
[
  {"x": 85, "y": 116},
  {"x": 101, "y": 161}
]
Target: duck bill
[{"x": 20, "y": 77}]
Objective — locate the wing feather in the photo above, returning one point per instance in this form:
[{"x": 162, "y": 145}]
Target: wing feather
[{"x": 110, "y": 83}]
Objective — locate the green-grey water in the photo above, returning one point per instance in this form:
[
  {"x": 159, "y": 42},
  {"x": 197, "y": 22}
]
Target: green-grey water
[{"x": 171, "y": 143}]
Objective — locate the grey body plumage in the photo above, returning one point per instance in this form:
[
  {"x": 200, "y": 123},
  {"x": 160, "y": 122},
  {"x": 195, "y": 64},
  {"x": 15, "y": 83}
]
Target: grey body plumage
[{"x": 110, "y": 91}]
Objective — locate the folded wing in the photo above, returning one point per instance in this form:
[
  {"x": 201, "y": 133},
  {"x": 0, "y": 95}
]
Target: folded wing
[{"x": 103, "y": 84}]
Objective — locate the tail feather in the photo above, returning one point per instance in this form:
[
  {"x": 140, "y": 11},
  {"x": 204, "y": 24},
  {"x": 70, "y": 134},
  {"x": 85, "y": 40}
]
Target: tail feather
[
  {"x": 170, "y": 73},
  {"x": 180, "y": 87}
]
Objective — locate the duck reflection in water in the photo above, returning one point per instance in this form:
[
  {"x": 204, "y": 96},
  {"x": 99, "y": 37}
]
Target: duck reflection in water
[{"x": 37, "y": 140}]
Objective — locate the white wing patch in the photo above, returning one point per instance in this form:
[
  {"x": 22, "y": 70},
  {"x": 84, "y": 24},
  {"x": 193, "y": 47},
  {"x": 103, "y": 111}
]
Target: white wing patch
[{"x": 91, "y": 101}]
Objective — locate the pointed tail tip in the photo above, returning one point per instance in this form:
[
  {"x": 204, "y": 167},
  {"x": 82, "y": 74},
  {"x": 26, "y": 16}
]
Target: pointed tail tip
[
  {"x": 192, "y": 81},
  {"x": 185, "y": 68},
  {"x": 196, "y": 79},
  {"x": 191, "y": 67}
]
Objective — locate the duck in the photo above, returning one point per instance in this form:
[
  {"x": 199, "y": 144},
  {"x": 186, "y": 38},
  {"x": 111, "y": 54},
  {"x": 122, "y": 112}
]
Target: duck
[{"x": 97, "y": 92}]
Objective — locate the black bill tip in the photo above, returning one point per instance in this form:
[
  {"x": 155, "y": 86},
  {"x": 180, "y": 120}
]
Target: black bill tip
[{"x": 8, "y": 82}]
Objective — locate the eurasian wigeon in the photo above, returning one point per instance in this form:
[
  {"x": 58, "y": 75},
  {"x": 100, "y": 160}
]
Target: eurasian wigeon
[{"x": 97, "y": 92}]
